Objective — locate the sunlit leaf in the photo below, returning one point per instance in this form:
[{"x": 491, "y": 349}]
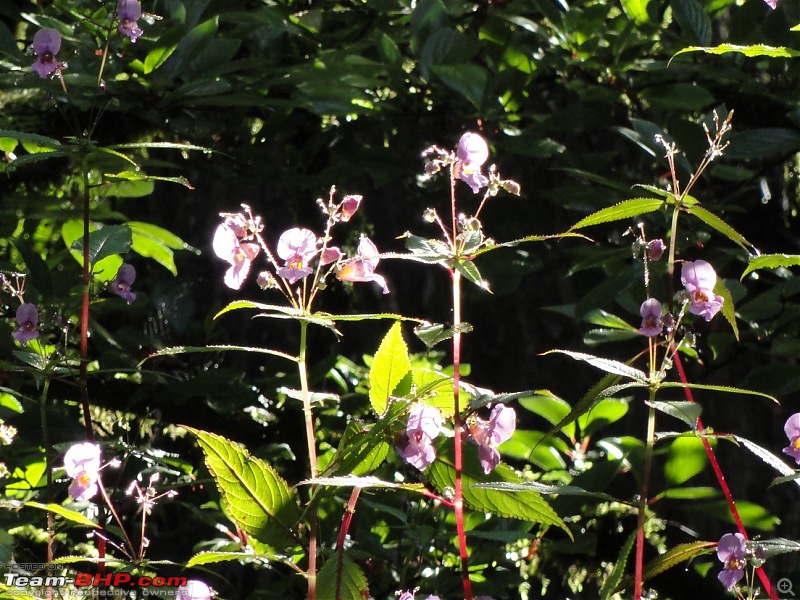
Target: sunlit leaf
[{"x": 389, "y": 367}]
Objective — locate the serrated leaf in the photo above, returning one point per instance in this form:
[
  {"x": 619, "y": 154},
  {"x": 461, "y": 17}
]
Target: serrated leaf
[
  {"x": 176, "y": 350},
  {"x": 602, "y": 318},
  {"x": 66, "y": 513},
  {"x": 675, "y": 556},
  {"x": 362, "y": 482},
  {"x": 693, "y": 19},
  {"x": 615, "y": 577},
  {"x": 389, "y": 366},
  {"x": 754, "y": 50},
  {"x": 767, "y": 457},
  {"x": 104, "y": 242},
  {"x": 771, "y": 261},
  {"x": 624, "y": 210},
  {"x": 636, "y": 10},
  {"x": 432, "y": 333},
  {"x": 427, "y": 250},
  {"x": 605, "y": 364},
  {"x": 254, "y": 496},
  {"x": 434, "y": 389},
  {"x": 341, "y": 580},
  {"x": 528, "y": 505},
  {"x": 720, "y": 226},
  {"x": 777, "y": 546},
  {"x": 22, "y": 136},
  {"x": 541, "y": 488},
  {"x": 728, "y": 309},
  {"x": 211, "y": 557},
  {"x": 468, "y": 269},
  {"x": 688, "y": 412},
  {"x": 716, "y": 388}
]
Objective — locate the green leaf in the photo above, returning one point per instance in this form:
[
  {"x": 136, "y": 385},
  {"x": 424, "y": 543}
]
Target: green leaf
[
  {"x": 468, "y": 269},
  {"x": 362, "y": 482},
  {"x": 68, "y": 514},
  {"x": 254, "y": 496},
  {"x": 157, "y": 243},
  {"x": 467, "y": 79},
  {"x": 36, "y": 139},
  {"x": 754, "y": 50},
  {"x": 626, "y": 209},
  {"x": 763, "y": 142},
  {"x": 352, "y": 582},
  {"x": 609, "y": 366},
  {"x": 211, "y": 557},
  {"x": 550, "y": 407},
  {"x": 716, "y": 388},
  {"x": 767, "y": 457},
  {"x": 728, "y": 309},
  {"x": 685, "y": 459},
  {"x": 636, "y": 10},
  {"x": 720, "y": 226},
  {"x": 542, "y": 488},
  {"x": 106, "y": 241},
  {"x": 602, "y": 414},
  {"x": 688, "y": 412},
  {"x": 677, "y": 555},
  {"x": 771, "y": 261},
  {"x": 526, "y": 505},
  {"x": 692, "y": 19},
  {"x": 389, "y": 367},
  {"x": 615, "y": 577},
  {"x": 777, "y": 546},
  {"x": 432, "y": 333},
  {"x": 605, "y": 319},
  {"x": 176, "y": 350}
]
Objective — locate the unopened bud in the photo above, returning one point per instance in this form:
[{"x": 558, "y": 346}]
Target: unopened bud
[
  {"x": 512, "y": 187},
  {"x": 266, "y": 280},
  {"x": 429, "y": 216},
  {"x": 655, "y": 250}
]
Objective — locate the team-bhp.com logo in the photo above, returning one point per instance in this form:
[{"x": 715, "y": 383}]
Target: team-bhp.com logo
[{"x": 87, "y": 581}]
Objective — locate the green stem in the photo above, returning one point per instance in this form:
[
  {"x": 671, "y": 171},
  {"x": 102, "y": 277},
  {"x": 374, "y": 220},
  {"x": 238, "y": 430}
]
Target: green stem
[
  {"x": 458, "y": 500},
  {"x": 648, "y": 462},
  {"x": 51, "y": 535},
  {"x": 311, "y": 573}
]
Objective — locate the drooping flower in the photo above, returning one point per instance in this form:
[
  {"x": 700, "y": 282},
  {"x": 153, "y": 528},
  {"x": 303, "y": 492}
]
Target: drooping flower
[
  {"x": 362, "y": 267},
  {"x": 129, "y": 12},
  {"x": 27, "y": 318},
  {"x": 732, "y": 552},
  {"x": 655, "y": 250},
  {"x": 46, "y": 44},
  {"x": 194, "y": 590},
  {"x": 297, "y": 247},
  {"x": 228, "y": 245},
  {"x": 652, "y": 325},
  {"x": 121, "y": 284},
  {"x": 488, "y": 435},
  {"x": 792, "y": 429},
  {"x": 331, "y": 254},
  {"x": 349, "y": 207},
  {"x": 82, "y": 463},
  {"x": 699, "y": 279},
  {"x": 471, "y": 153},
  {"x": 416, "y": 447}
]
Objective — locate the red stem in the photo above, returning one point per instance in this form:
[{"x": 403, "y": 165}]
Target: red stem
[
  {"x": 721, "y": 477},
  {"x": 347, "y": 518}
]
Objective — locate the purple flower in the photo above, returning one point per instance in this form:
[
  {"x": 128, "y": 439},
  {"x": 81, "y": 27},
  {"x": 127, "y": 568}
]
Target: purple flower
[
  {"x": 349, "y": 207},
  {"x": 471, "y": 153},
  {"x": 655, "y": 250},
  {"x": 296, "y": 246},
  {"x": 733, "y": 554},
  {"x": 121, "y": 285},
  {"x": 194, "y": 590},
  {"x": 772, "y": 3},
  {"x": 129, "y": 12},
  {"x": 228, "y": 246},
  {"x": 699, "y": 279},
  {"x": 362, "y": 267},
  {"x": 46, "y": 44},
  {"x": 651, "y": 318},
  {"x": 489, "y": 435},
  {"x": 792, "y": 429},
  {"x": 82, "y": 463},
  {"x": 27, "y": 318},
  {"x": 416, "y": 447},
  {"x": 331, "y": 254}
]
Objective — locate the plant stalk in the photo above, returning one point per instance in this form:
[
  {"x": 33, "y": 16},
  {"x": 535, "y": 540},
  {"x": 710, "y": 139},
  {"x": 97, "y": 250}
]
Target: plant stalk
[
  {"x": 311, "y": 573},
  {"x": 648, "y": 463}
]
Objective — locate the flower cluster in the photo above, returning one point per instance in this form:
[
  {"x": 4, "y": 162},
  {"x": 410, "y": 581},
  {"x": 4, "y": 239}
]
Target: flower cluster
[
  {"x": 415, "y": 445},
  {"x": 302, "y": 253},
  {"x": 490, "y": 434}
]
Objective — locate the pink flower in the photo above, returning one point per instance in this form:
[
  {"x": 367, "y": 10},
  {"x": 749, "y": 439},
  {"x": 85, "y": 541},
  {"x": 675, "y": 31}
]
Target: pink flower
[
  {"x": 129, "y": 12},
  {"x": 471, "y": 153},
  {"x": 652, "y": 325},
  {"x": 229, "y": 246},
  {"x": 297, "y": 247},
  {"x": 27, "y": 318},
  {"x": 699, "y": 279},
  {"x": 349, "y": 207},
  {"x": 792, "y": 430},
  {"x": 194, "y": 590},
  {"x": 500, "y": 427},
  {"x": 732, "y": 552},
  {"x": 82, "y": 463},
  {"x": 331, "y": 254},
  {"x": 772, "y": 3},
  {"x": 362, "y": 267},
  {"x": 121, "y": 285},
  {"x": 46, "y": 44},
  {"x": 416, "y": 447}
]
